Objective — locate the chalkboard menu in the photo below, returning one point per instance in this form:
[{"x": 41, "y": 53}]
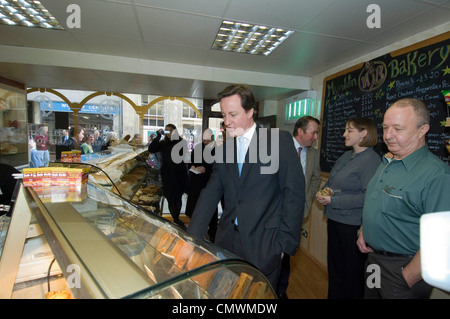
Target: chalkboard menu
[{"x": 420, "y": 71}]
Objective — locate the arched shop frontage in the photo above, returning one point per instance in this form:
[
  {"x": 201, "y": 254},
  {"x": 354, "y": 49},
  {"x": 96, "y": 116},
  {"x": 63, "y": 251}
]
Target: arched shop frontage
[{"x": 106, "y": 111}]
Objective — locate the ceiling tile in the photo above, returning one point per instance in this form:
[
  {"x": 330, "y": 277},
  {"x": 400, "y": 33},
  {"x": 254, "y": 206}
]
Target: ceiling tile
[
  {"x": 98, "y": 17},
  {"x": 177, "y": 28},
  {"x": 38, "y": 38},
  {"x": 290, "y": 14},
  {"x": 198, "y": 7},
  {"x": 348, "y": 19}
]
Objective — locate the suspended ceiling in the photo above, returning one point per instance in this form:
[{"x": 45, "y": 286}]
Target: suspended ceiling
[{"x": 163, "y": 47}]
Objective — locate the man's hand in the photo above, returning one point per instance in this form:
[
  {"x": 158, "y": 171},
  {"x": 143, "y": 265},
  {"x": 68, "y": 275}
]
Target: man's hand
[{"x": 361, "y": 243}]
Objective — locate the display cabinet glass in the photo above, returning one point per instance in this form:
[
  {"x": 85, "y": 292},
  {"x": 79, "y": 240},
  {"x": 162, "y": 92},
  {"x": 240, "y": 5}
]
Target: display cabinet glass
[
  {"x": 108, "y": 247},
  {"x": 127, "y": 174}
]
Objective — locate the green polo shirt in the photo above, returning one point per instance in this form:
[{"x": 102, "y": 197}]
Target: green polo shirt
[{"x": 399, "y": 193}]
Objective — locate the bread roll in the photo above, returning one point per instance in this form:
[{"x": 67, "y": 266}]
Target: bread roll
[{"x": 325, "y": 192}]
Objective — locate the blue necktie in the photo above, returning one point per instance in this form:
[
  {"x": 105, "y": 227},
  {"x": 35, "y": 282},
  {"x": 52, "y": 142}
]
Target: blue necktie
[
  {"x": 241, "y": 158},
  {"x": 241, "y": 152}
]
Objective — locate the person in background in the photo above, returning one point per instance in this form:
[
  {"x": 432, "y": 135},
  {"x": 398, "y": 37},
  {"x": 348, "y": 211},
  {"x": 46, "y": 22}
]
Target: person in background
[
  {"x": 174, "y": 175},
  {"x": 348, "y": 180},
  {"x": 35, "y": 158},
  {"x": 99, "y": 141},
  {"x": 73, "y": 143},
  {"x": 154, "y": 159},
  {"x": 151, "y": 137},
  {"x": 223, "y": 135},
  {"x": 42, "y": 144},
  {"x": 199, "y": 174},
  {"x": 305, "y": 133},
  {"x": 111, "y": 140},
  {"x": 65, "y": 137},
  {"x": 264, "y": 201},
  {"x": 88, "y": 141},
  {"x": 410, "y": 182}
]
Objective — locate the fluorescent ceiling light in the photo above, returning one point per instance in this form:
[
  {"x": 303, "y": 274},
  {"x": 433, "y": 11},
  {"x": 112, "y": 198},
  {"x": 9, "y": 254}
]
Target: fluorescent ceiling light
[
  {"x": 28, "y": 13},
  {"x": 249, "y": 38}
]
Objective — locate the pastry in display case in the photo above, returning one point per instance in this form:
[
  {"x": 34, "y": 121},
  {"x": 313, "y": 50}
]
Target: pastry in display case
[
  {"x": 124, "y": 251},
  {"x": 126, "y": 174},
  {"x": 123, "y": 169}
]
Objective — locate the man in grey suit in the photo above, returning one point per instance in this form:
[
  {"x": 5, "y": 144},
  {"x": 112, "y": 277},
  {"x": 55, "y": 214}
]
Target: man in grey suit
[
  {"x": 264, "y": 202},
  {"x": 305, "y": 133}
]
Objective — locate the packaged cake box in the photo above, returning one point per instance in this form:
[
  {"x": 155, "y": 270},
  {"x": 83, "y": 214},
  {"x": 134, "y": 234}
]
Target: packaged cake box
[
  {"x": 71, "y": 156},
  {"x": 55, "y": 176},
  {"x": 63, "y": 176}
]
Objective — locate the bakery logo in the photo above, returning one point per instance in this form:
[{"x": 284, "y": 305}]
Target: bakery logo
[
  {"x": 374, "y": 19},
  {"x": 257, "y": 152},
  {"x": 74, "y": 19},
  {"x": 73, "y": 277},
  {"x": 373, "y": 280},
  {"x": 372, "y": 76},
  {"x": 108, "y": 108}
]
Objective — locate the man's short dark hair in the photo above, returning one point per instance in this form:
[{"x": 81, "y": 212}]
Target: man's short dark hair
[
  {"x": 302, "y": 123},
  {"x": 247, "y": 99}
]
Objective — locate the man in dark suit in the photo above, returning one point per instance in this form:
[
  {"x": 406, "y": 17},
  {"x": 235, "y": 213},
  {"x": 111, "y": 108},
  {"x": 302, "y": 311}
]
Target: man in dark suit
[
  {"x": 305, "y": 133},
  {"x": 264, "y": 202}
]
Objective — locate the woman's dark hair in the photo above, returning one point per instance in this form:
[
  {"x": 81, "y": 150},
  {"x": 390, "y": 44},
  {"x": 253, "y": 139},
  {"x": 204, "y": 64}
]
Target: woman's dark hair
[
  {"x": 363, "y": 123},
  {"x": 72, "y": 131},
  {"x": 172, "y": 126}
]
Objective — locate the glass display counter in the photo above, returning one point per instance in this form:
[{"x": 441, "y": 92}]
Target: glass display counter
[
  {"x": 125, "y": 173},
  {"x": 108, "y": 247}
]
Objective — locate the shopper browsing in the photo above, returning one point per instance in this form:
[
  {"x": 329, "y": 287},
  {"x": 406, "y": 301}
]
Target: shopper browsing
[{"x": 263, "y": 209}]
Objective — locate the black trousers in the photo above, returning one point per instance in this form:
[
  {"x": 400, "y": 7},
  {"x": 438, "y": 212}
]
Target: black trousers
[
  {"x": 345, "y": 262},
  {"x": 174, "y": 204},
  {"x": 392, "y": 284},
  {"x": 283, "y": 281}
]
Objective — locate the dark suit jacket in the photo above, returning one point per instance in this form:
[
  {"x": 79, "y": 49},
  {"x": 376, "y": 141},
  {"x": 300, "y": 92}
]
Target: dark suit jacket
[
  {"x": 269, "y": 207},
  {"x": 313, "y": 177},
  {"x": 174, "y": 176}
]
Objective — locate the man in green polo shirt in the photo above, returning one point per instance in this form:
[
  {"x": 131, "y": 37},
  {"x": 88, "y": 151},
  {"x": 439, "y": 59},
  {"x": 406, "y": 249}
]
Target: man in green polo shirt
[{"x": 410, "y": 182}]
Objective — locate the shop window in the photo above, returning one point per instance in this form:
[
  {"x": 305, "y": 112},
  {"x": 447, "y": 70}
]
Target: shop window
[{"x": 188, "y": 111}]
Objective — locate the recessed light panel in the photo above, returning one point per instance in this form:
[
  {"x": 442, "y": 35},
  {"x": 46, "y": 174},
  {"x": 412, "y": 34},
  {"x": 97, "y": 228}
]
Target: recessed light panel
[
  {"x": 28, "y": 13},
  {"x": 249, "y": 38}
]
